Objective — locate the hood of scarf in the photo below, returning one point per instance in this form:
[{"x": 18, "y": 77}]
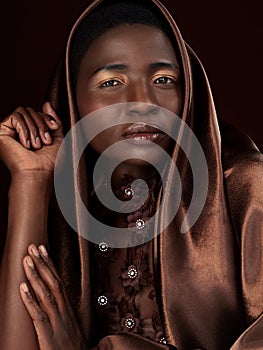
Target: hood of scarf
[{"x": 208, "y": 279}]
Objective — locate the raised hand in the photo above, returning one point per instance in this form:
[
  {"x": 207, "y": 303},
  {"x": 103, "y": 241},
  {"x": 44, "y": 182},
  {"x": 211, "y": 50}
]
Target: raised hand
[
  {"x": 54, "y": 320},
  {"x": 29, "y": 140}
]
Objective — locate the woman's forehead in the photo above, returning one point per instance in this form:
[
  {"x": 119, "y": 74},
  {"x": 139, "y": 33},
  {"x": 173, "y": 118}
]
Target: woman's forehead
[
  {"x": 125, "y": 43},
  {"x": 109, "y": 14}
]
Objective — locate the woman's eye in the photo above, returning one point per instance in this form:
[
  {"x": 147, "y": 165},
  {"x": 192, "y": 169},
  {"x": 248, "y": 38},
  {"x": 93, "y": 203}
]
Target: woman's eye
[
  {"x": 110, "y": 83},
  {"x": 165, "y": 81}
]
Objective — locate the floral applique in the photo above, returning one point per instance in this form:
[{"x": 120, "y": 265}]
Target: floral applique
[
  {"x": 136, "y": 276},
  {"x": 137, "y": 272},
  {"x": 131, "y": 200},
  {"x": 129, "y": 323},
  {"x": 105, "y": 251},
  {"x": 131, "y": 277},
  {"x": 128, "y": 319}
]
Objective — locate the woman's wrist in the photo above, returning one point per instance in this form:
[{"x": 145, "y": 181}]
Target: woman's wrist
[
  {"x": 37, "y": 175},
  {"x": 37, "y": 181}
]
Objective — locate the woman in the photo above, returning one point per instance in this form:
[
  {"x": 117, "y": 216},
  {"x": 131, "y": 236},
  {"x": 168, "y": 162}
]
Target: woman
[{"x": 200, "y": 290}]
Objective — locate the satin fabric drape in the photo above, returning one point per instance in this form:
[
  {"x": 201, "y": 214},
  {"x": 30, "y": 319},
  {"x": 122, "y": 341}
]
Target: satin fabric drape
[{"x": 209, "y": 280}]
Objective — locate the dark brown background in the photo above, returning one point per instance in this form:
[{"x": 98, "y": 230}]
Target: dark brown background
[{"x": 227, "y": 35}]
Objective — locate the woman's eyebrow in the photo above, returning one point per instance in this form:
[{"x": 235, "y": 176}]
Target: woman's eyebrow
[
  {"x": 164, "y": 65},
  {"x": 110, "y": 67}
]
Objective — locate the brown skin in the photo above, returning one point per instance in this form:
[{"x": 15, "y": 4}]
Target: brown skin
[
  {"x": 138, "y": 81},
  {"x": 31, "y": 166},
  {"x": 53, "y": 319},
  {"x": 29, "y": 153},
  {"x": 148, "y": 73}
]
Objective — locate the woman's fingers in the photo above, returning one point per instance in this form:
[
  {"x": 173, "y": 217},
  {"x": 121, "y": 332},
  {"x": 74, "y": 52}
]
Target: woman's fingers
[
  {"x": 46, "y": 284},
  {"x": 39, "y": 317},
  {"x": 18, "y": 122},
  {"x": 58, "y": 133},
  {"x": 32, "y": 128},
  {"x": 15, "y": 125},
  {"x": 49, "y": 110},
  {"x": 51, "y": 313},
  {"x": 44, "y": 254},
  {"x": 40, "y": 125},
  {"x": 44, "y": 295},
  {"x": 31, "y": 124},
  {"x": 43, "y": 129}
]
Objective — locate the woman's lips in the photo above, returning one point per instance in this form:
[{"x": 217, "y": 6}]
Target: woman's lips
[{"x": 142, "y": 133}]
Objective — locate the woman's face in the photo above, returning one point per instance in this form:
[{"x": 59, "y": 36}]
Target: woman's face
[{"x": 130, "y": 63}]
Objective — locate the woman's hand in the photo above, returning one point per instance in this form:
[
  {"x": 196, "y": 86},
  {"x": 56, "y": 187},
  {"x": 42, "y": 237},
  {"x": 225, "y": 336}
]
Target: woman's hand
[
  {"x": 29, "y": 140},
  {"x": 54, "y": 320}
]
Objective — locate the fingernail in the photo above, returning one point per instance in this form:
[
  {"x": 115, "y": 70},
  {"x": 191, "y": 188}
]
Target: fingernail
[
  {"x": 43, "y": 250},
  {"x": 52, "y": 121},
  {"x": 29, "y": 262},
  {"x": 28, "y": 144},
  {"x": 24, "y": 287},
  {"x": 38, "y": 140},
  {"x": 47, "y": 136},
  {"x": 35, "y": 251}
]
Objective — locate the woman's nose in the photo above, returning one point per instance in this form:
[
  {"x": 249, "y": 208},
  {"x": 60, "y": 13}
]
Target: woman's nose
[
  {"x": 143, "y": 100},
  {"x": 142, "y": 109}
]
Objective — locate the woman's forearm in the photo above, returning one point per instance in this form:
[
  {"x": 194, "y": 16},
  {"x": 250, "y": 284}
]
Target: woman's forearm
[{"x": 27, "y": 223}]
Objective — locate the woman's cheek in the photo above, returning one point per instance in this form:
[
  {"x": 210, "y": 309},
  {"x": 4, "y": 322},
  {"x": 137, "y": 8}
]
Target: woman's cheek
[
  {"x": 87, "y": 105},
  {"x": 176, "y": 103},
  {"x": 94, "y": 102}
]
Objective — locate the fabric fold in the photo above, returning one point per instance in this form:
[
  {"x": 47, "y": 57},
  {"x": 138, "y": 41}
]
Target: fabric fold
[{"x": 209, "y": 280}]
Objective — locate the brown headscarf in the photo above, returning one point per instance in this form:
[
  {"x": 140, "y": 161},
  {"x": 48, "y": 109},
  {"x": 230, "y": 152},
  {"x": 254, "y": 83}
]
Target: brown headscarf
[{"x": 209, "y": 280}]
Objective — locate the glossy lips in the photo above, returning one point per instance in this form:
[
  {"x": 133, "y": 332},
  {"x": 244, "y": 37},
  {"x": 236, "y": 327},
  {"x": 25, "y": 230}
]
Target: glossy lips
[{"x": 141, "y": 133}]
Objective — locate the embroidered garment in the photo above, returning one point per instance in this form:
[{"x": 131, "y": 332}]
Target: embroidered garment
[
  {"x": 200, "y": 290},
  {"x": 125, "y": 280}
]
